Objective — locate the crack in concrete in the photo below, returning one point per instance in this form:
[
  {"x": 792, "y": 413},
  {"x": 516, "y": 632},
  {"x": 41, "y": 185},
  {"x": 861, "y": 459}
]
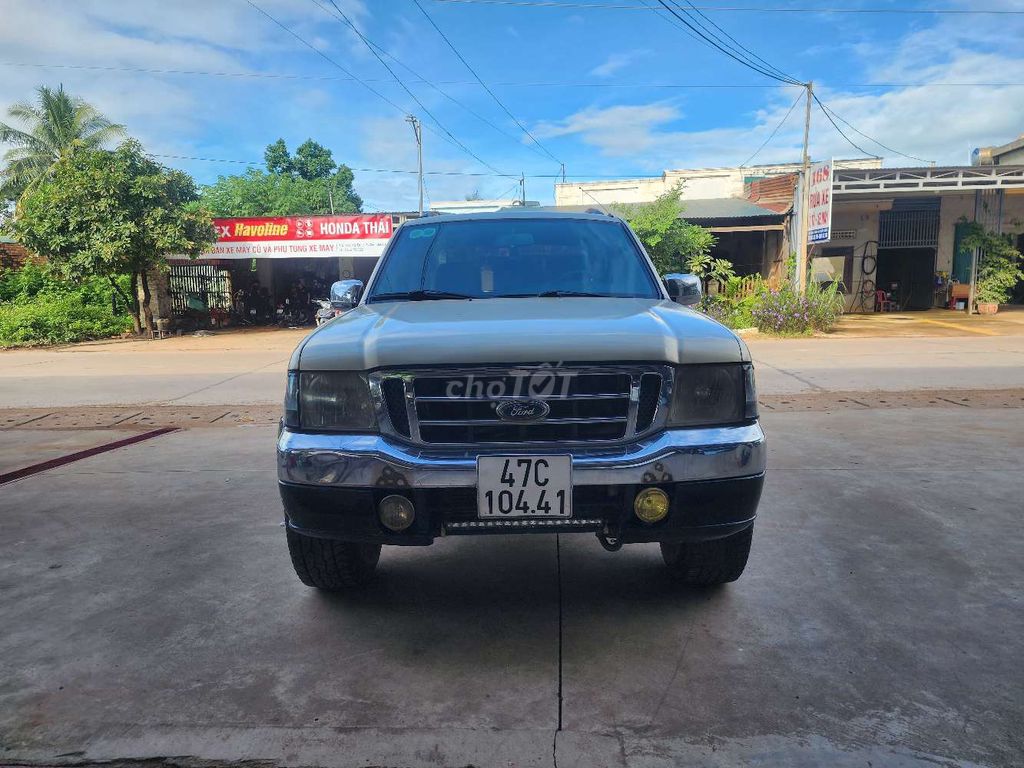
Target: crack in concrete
[{"x": 784, "y": 372}]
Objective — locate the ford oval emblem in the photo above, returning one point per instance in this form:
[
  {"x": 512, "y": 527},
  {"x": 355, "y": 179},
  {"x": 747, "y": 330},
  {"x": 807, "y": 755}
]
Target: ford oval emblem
[{"x": 522, "y": 410}]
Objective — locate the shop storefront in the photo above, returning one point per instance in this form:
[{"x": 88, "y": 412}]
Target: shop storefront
[{"x": 271, "y": 269}]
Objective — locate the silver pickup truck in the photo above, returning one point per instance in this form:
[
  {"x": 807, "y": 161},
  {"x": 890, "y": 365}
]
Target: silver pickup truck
[{"x": 519, "y": 372}]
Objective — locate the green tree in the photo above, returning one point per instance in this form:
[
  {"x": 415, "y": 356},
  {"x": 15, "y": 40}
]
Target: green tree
[
  {"x": 313, "y": 161},
  {"x": 674, "y": 244},
  {"x": 277, "y": 158},
  {"x": 112, "y": 213},
  {"x": 308, "y": 182},
  {"x": 999, "y": 264},
  {"x": 52, "y": 127}
]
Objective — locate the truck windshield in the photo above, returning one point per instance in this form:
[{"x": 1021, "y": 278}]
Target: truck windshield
[{"x": 513, "y": 258}]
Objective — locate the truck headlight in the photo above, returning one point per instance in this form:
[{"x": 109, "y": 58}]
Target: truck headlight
[
  {"x": 709, "y": 395},
  {"x": 330, "y": 400}
]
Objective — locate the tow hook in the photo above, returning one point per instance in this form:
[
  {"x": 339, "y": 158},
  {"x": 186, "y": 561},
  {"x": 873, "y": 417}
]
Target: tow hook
[{"x": 610, "y": 543}]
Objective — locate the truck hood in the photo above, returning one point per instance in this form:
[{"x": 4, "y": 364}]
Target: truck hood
[{"x": 526, "y": 330}]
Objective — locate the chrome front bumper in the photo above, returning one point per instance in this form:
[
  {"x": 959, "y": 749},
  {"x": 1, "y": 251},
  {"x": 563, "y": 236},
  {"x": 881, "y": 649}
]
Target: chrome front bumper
[{"x": 680, "y": 455}]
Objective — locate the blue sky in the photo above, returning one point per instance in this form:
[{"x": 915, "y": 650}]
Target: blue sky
[{"x": 581, "y": 79}]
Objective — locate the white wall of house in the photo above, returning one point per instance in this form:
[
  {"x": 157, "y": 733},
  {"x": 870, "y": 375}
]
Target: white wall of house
[
  {"x": 697, "y": 183},
  {"x": 955, "y": 208},
  {"x": 477, "y": 206},
  {"x": 1013, "y": 213},
  {"x": 861, "y": 217}
]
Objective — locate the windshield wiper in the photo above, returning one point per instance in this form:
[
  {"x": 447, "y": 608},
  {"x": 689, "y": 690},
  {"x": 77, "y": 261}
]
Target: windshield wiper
[
  {"x": 422, "y": 294},
  {"x": 571, "y": 293},
  {"x": 548, "y": 294}
]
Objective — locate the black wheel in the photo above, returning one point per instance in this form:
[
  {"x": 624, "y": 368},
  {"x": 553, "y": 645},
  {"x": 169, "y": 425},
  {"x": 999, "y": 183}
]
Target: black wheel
[
  {"x": 331, "y": 565},
  {"x": 706, "y": 563}
]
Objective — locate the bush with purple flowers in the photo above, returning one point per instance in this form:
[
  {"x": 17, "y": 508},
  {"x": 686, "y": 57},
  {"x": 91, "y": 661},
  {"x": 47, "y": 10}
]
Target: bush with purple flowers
[
  {"x": 778, "y": 309},
  {"x": 782, "y": 311}
]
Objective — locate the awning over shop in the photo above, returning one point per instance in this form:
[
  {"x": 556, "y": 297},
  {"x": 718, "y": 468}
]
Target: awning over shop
[{"x": 724, "y": 214}]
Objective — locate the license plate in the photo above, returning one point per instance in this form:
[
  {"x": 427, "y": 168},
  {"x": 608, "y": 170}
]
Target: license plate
[{"x": 524, "y": 486}]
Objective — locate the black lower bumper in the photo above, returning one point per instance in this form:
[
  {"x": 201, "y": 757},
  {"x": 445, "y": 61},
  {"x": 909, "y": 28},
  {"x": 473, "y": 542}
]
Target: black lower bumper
[{"x": 706, "y": 509}]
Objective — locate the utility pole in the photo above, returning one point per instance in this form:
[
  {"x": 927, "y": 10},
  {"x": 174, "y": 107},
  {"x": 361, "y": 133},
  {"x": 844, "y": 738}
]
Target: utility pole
[
  {"x": 522, "y": 189},
  {"x": 563, "y": 173},
  {"x": 417, "y": 130},
  {"x": 805, "y": 187}
]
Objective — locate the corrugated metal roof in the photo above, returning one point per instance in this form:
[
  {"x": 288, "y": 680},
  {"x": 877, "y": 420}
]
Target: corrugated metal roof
[
  {"x": 701, "y": 209},
  {"x": 726, "y": 208}
]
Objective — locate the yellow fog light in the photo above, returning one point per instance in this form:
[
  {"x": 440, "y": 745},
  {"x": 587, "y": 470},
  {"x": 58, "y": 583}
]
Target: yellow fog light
[
  {"x": 396, "y": 513},
  {"x": 651, "y": 505}
]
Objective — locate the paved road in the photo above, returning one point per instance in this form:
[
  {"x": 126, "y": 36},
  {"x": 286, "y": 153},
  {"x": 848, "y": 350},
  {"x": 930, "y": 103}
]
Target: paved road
[
  {"x": 148, "y": 609},
  {"x": 248, "y": 368}
]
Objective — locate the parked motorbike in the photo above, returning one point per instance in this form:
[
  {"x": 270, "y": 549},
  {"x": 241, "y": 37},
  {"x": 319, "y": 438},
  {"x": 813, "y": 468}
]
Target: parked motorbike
[
  {"x": 290, "y": 314},
  {"x": 326, "y": 311}
]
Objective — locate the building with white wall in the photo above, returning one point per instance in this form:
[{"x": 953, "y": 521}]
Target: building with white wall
[
  {"x": 894, "y": 229},
  {"x": 1011, "y": 153},
  {"x": 696, "y": 183},
  {"x": 479, "y": 206},
  {"x": 899, "y": 229}
]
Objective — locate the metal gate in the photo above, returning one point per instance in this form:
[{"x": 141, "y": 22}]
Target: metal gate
[
  {"x": 908, "y": 229},
  {"x": 199, "y": 288}
]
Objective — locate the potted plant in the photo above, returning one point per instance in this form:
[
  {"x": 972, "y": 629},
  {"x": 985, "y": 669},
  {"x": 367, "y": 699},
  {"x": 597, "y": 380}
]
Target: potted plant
[{"x": 999, "y": 268}]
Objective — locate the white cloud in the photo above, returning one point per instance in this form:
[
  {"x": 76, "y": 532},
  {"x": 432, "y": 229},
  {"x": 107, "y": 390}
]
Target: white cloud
[
  {"x": 388, "y": 143},
  {"x": 617, "y": 131},
  {"x": 172, "y": 114},
  {"x": 617, "y": 61},
  {"x": 913, "y": 110}
]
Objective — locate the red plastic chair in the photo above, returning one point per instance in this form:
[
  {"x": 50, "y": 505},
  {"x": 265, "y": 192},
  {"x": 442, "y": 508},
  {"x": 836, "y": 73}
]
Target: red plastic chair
[{"x": 883, "y": 303}]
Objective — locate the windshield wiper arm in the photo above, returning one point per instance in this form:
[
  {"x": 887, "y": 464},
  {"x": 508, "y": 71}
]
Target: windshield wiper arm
[{"x": 422, "y": 294}]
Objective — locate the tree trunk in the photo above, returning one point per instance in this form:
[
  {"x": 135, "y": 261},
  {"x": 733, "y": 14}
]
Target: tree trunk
[
  {"x": 132, "y": 302},
  {"x": 147, "y": 311}
]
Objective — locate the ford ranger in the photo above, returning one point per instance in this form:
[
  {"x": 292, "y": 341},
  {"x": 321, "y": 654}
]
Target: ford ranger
[{"x": 519, "y": 372}]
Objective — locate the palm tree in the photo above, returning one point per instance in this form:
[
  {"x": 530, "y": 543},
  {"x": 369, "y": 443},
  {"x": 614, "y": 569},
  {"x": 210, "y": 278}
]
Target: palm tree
[{"x": 56, "y": 124}]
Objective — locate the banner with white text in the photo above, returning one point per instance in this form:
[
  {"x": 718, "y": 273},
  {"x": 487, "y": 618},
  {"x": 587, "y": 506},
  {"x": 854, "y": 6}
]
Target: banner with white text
[
  {"x": 282, "y": 237},
  {"x": 819, "y": 204}
]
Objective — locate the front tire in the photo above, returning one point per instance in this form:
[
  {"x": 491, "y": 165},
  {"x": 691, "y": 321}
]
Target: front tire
[
  {"x": 707, "y": 563},
  {"x": 331, "y": 565}
]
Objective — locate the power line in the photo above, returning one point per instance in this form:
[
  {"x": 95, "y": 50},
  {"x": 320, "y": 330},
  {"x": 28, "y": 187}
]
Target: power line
[
  {"x": 426, "y": 173},
  {"x": 508, "y": 191},
  {"x": 412, "y": 95},
  {"x": 456, "y": 101},
  {"x": 493, "y": 95},
  {"x": 738, "y": 48},
  {"x": 737, "y": 42},
  {"x": 325, "y": 57},
  {"x": 334, "y": 63},
  {"x": 503, "y": 84},
  {"x": 828, "y": 110},
  {"x": 359, "y": 170},
  {"x": 157, "y": 71},
  {"x": 741, "y": 8},
  {"x": 772, "y": 134},
  {"x": 434, "y": 86},
  {"x": 714, "y": 42},
  {"x": 840, "y": 131}
]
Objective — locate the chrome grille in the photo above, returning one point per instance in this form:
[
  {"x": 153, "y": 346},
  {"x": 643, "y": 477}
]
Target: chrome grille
[{"x": 586, "y": 404}]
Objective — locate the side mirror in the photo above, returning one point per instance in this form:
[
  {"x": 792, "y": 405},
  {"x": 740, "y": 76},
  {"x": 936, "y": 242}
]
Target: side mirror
[
  {"x": 345, "y": 293},
  {"x": 683, "y": 289}
]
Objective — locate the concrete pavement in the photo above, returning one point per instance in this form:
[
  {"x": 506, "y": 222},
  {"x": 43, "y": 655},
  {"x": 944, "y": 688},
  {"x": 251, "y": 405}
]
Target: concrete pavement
[
  {"x": 790, "y": 366},
  {"x": 247, "y": 368},
  {"x": 149, "y": 610}
]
